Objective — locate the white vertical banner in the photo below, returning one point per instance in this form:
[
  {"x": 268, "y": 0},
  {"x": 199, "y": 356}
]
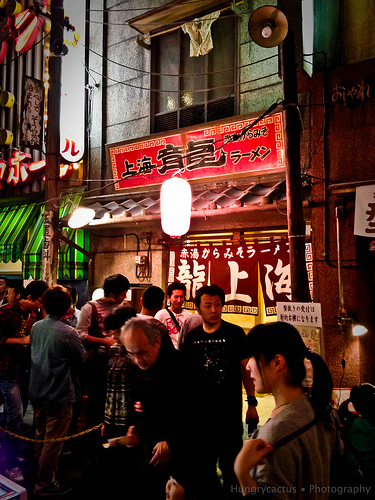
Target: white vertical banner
[
  {"x": 47, "y": 248},
  {"x": 364, "y": 216},
  {"x": 72, "y": 114}
]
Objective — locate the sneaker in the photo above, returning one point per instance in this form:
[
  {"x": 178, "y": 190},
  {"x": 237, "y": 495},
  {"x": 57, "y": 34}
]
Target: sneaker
[
  {"x": 55, "y": 489},
  {"x": 15, "y": 475}
]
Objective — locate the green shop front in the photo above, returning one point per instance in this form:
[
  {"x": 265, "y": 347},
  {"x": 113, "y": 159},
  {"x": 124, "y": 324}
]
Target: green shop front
[{"x": 21, "y": 243}]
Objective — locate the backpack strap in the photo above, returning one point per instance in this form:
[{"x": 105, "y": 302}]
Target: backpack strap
[
  {"x": 295, "y": 434},
  {"x": 174, "y": 319},
  {"x": 95, "y": 319},
  {"x": 300, "y": 431}
]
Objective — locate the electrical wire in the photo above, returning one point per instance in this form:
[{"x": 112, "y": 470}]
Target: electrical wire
[
  {"x": 153, "y": 73},
  {"x": 150, "y": 9},
  {"x": 179, "y": 91}
]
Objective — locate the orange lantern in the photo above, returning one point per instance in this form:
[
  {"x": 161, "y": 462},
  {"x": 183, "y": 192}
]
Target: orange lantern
[{"x": 175, "y": 205}]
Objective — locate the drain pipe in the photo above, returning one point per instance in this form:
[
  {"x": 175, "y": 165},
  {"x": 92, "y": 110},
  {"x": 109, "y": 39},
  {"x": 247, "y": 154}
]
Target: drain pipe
[
  {"x": 342, "y": 317},
  {"x": 339, "y": 212}
]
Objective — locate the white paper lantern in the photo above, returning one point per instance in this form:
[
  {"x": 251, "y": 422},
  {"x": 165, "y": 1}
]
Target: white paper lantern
[{"x": 175, "y": 205}]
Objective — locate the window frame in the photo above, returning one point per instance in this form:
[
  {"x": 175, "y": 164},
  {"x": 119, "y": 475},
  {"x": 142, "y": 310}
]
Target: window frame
[{"x": 206, "y": 102}]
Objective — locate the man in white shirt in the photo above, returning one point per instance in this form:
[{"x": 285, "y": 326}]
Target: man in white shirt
[
  {"x": 97, "y": 342},
  {"x": 151, "y": 303},
  {"x": 174, "y": 316}
]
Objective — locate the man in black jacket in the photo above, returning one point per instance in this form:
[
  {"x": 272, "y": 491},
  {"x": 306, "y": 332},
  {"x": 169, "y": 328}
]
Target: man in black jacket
[{"x": 164, "y": 422}]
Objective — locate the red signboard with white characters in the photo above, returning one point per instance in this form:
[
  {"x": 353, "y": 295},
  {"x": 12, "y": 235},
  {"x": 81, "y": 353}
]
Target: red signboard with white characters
[
  {"x": 18, "y": 169},
  {"x": 274, "y": 270},
  {"x": 189, "y": 265},
  {"x": 200, "y": 152},
  {"x": 235, "y": 269}
]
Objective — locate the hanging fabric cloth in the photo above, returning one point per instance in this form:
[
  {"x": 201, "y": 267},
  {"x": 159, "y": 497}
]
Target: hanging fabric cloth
[{"x": 199, "y": 31}]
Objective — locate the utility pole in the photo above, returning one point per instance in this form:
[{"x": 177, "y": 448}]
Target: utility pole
[
  {"x": 296, "y": 225},
  {"x": 50, "y": 249}
]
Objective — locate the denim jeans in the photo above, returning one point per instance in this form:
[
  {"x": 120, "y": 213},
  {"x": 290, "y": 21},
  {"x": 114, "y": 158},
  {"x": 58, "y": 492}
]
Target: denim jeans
[{"x": 13, "y": 419}]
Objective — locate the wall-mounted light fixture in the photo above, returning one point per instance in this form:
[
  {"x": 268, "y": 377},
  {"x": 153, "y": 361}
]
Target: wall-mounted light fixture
[
  {"x": 357, "y": 327},
  {"x": 268, "y": 26},
  {"x": 349, "y": 323},
  {"x": 81, "y": 217}
]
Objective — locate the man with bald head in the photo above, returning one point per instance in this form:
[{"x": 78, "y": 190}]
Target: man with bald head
[{"x": 165, "y": 408}]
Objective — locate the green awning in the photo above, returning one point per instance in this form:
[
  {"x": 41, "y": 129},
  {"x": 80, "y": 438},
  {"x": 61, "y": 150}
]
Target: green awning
[
  {"x": 16, "y": 222},
  {"x": 72, "y": 263}
]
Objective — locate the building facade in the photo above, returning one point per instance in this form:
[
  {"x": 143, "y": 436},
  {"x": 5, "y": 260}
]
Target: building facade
[
  {"x": 151, "y": 81},
  {"x": 25, "y": 156}
]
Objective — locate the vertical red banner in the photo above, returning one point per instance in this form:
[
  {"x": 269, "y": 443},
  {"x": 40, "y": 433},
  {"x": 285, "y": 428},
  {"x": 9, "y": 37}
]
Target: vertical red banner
[
  {"x": 235, "y": 269},
  {"x": 274, "y": 269},
  {"x": 189, "y": 265}
]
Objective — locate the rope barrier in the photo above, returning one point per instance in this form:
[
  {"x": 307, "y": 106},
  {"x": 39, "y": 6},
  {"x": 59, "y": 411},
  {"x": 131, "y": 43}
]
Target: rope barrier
[{"x": 55, "y": 440}]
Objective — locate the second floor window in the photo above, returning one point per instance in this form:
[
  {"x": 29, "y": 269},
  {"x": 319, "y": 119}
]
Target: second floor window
[{"x": 194, "y": 90}]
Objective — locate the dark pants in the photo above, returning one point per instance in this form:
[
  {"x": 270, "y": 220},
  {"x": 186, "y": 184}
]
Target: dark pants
[
  {"x": 224, "y": 444},
  {"x": 128, "y": 470},
  {"x": 95, "y": 387}
]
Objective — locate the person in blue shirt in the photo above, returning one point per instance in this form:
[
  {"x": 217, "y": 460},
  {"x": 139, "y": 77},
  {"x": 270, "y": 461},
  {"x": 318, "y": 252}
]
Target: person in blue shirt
[{"x": 57, "y": 356}]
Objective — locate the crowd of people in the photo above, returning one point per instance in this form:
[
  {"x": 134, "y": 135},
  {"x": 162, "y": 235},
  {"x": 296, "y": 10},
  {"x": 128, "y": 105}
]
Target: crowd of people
[{"x": 164, "y": 398}]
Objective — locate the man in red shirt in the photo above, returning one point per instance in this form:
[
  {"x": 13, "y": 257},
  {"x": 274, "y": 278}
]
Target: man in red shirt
[{"x": 16, "y": 320}]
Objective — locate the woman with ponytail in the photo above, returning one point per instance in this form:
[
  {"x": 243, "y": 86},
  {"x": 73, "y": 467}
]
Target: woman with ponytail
[{"x": 289, "y": 456}]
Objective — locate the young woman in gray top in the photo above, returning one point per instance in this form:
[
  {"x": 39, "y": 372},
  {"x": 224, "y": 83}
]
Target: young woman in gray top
[{"x": 273, "y": 463}]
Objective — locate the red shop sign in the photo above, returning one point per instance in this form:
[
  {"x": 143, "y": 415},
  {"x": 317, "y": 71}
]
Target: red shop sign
[{"x": 200, "y": 153}]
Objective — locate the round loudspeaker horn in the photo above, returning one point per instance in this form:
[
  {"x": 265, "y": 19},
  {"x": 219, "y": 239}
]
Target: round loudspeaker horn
[{"x": 268, "y": 26}]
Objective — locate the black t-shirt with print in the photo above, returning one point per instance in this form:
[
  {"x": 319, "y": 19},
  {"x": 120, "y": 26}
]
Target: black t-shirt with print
[{"x": 218, "y": 355}]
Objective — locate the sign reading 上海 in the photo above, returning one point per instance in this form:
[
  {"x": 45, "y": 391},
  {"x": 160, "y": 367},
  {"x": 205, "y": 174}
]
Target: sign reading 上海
[
  {"x": 364, "y": 217},
  {"x": 200, "y": 152}
]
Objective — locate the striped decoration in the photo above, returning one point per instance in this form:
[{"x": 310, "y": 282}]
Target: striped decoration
[
  {"x": 15, "y": 223},
  {"x": 72, "y": 263}
]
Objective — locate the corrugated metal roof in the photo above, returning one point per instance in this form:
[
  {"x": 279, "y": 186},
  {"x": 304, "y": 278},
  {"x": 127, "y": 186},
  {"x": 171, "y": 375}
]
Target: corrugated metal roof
[{"x": 227, "y": 197}]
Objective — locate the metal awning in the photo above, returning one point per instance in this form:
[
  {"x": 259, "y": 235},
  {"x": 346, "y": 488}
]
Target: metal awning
[
  {"x": 72, "y": 263},
  {"x": 177, "y": 12},
  {"x": 16, "y": 222},
  {"x": 127, "y": 208}
]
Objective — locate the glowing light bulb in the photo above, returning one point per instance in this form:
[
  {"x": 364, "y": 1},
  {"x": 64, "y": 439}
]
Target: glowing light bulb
[
  {"x": 80, "y": 217},
  {"x": 267, "y": 31}
]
